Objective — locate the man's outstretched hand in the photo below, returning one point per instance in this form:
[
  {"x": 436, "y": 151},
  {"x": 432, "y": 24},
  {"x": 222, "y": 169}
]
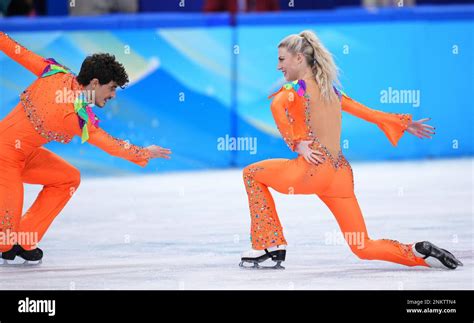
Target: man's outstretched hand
[
  {"x": 159, "y": 152},
  {"x": 417, "y": 128}
]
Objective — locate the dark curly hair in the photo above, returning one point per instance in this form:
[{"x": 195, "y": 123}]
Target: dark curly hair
[{"x": 103, "y": 67}]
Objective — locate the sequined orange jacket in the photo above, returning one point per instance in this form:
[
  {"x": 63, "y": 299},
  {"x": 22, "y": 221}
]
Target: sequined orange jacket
[
  {"x": 52, "y": 114},
  {"x": 290, "y": 111}
]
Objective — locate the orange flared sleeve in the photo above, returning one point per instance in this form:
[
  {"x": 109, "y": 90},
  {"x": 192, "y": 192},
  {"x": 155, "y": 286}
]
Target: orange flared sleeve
[
  {"x": 118, "y": 147},
  {"x": 392, "y": 124},
  {"x": 113, "y": 146},
  {"x": 31, "y": 61}
]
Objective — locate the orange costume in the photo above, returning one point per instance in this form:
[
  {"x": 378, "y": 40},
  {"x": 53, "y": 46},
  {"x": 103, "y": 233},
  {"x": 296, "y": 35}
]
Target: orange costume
[
  {"x": 38, "y": 119},
  {"x": 331, "y": 181}
]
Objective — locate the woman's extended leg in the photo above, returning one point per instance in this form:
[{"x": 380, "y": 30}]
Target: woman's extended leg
[
  {"x": 350, "y": 220},
  {"x": 340, "y": 199}
]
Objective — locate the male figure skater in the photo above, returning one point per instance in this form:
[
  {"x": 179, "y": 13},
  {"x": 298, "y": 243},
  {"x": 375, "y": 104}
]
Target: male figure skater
[{"x": 42, "y": 116}]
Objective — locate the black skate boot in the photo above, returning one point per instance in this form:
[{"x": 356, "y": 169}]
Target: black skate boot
[
  {"x": 31, "y": 257},
  {"x": 255, "y": 257},
  {"x": 434, "y": 256}
]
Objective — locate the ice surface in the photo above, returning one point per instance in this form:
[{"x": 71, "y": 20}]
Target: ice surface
[{"x": 186, "y": 231}]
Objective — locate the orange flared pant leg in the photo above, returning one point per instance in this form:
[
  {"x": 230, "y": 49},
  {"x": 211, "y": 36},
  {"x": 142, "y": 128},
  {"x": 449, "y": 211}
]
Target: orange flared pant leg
[
  {"x": 287, "y": 176},
  {"x": 266, "y": 229},
  {"x": 11, "y": 202},
  {"x": 59, "y": 180}
]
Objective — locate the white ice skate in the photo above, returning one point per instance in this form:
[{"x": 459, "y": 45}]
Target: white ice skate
[
  {"x": 434, "y": 256},
  {"x": 255, "y": 257}
]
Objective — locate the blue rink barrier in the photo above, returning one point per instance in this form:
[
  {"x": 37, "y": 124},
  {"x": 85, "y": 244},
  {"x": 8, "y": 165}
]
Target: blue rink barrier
[{"x": 198, "y": 82}]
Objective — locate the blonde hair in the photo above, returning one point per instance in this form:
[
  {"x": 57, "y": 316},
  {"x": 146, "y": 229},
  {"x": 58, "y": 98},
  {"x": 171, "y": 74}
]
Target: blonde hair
[{"x": 318, "y": 58}]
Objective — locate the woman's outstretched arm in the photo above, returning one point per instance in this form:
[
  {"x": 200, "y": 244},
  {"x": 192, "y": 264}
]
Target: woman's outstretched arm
[{"x": 392, "y": 124}]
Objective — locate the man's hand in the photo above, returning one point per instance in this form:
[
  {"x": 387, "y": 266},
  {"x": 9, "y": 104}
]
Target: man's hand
[
  {"x": 417, "y": 128},
  {"x": 312, "y": 156},
  {"x": 159, "y": 152}
]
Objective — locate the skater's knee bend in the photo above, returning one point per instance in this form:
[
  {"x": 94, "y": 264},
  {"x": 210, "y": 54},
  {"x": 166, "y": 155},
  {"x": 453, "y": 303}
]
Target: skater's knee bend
[
  {"x": 246, "y": 172},
  {"x": 250, "y": 171},
  {"x": 72, "y": 176},
  {"x": 75, "y": 177}
]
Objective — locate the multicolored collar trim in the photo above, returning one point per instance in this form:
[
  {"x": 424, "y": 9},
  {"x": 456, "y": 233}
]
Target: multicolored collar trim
[
  {"x": 86, "y": 116},
  {"x": 54, "y": 68},
  {"x": 299, "y": 86},
  {"x": 339, "y": 93}
]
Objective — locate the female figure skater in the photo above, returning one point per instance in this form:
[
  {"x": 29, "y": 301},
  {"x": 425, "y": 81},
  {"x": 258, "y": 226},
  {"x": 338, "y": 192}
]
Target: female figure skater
[
  {"x": 43, "y": 116},
  {"x": 307, "y": 111}
]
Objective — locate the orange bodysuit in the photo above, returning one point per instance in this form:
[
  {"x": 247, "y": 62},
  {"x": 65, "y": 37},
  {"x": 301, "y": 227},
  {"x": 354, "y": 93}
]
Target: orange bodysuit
[
  {"x": 38, "y": 119},
  {"x": 332, "y": 180}
]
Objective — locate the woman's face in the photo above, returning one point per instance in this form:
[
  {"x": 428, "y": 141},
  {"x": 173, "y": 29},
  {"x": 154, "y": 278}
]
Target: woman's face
[{"x": 289, "y": 64}]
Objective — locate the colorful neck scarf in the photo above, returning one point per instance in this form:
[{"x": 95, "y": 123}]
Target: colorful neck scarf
[
  {"x": 86, "y": 115},
  {"x": 81, "y": 107}
]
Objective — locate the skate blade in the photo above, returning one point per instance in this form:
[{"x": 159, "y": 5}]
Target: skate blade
[
  {"x": 457, "y": 261},
  {"x": 20, "y": 263},
  {"x": 256, "y": 265}
]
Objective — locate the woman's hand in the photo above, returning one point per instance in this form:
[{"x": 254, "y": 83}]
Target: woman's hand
[
  {"x": 417, "y": 128},
  {"x": 159, "y": 152},
  {"x": 312, "y": 156}
]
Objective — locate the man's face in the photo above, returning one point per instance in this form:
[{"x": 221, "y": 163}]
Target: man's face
[{"x": 104, "y": 92}]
